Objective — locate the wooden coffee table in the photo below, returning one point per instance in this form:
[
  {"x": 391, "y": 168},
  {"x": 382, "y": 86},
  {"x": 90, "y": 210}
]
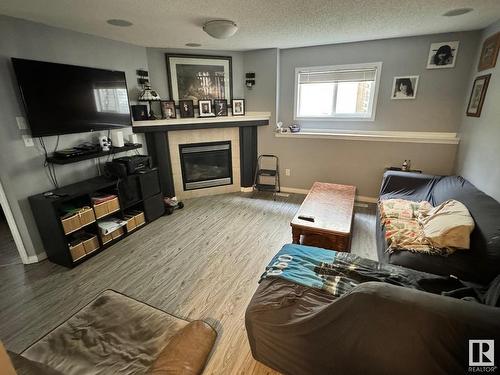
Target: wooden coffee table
[{"x": 332, "y": 208}]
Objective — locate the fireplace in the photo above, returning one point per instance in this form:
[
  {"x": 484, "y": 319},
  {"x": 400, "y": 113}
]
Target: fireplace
[{"x": 206, "y": 164}]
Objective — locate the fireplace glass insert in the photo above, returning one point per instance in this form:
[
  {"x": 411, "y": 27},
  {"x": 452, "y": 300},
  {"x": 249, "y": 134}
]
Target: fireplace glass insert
[{"x": 206, "y": 164}]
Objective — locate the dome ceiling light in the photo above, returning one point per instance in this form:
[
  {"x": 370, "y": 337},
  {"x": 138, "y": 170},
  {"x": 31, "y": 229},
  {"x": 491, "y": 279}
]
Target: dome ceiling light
[{"x": 220, "y": 29}]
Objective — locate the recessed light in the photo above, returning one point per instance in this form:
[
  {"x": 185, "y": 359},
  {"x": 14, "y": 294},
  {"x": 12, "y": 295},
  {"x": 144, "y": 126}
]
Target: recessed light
[
  {"x": 120, "y": 23},
  {"x": 457, "y": 12},
  {"x": 193, "y": 45}
]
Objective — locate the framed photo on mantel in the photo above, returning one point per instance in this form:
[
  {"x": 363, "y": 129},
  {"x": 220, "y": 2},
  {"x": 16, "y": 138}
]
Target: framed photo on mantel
[{"x": 199, "y": 77}]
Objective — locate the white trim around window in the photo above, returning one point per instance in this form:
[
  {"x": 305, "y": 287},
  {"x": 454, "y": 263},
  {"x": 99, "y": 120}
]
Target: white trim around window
[{"x": 332, "y": 71}]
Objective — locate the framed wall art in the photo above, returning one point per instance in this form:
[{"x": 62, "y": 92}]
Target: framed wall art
[
  {"x": 404, "y": 87},
  {"x": 199, "y": 77},
  {"x": 442, "y": 55},
  {"x": 489, "y": 53},
  {"x": 477, "y": 95}
]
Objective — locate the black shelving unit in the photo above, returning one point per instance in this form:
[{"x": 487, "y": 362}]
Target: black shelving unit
[
  {"x": 75, "y": 159},
  {"x": 47, "y": 210}
]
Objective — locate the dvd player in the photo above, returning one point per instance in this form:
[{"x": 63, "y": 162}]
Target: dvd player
[{"x": 85, "y": 149}]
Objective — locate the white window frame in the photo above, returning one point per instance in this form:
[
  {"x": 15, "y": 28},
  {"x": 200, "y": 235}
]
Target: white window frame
[{"x": 342, "y": 117}]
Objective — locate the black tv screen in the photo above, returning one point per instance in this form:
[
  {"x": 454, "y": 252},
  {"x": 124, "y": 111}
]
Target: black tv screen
[{"x": 62, "y": 99}]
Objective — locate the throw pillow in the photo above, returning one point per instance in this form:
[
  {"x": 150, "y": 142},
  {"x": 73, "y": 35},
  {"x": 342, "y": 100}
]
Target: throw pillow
[{"x": 448, "y": 225}]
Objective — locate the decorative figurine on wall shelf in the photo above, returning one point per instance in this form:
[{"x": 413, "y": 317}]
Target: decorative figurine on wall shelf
[{"x": 105, "y": 142}]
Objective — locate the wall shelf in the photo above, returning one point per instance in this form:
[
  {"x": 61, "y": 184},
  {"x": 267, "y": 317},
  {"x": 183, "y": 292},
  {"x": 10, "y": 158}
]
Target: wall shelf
[
  {"x": 76, "y": 159},
  {"x": 377, "y": 136}
]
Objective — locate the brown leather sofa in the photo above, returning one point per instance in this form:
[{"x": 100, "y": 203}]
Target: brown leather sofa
[{"x": 116, "y": 334}]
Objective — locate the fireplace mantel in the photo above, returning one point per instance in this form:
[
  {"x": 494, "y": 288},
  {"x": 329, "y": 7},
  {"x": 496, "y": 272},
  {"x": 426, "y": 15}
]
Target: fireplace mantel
[{"x": 250, "y": 119}]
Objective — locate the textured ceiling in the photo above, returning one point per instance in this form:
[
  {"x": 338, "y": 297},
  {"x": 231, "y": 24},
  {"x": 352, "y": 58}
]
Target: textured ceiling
[{"x": 262, "y": 23}]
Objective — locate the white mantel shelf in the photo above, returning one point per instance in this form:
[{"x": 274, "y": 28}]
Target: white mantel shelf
[
  {"x": 377, "y": 136},
  {"x": 250, "y": 119}
]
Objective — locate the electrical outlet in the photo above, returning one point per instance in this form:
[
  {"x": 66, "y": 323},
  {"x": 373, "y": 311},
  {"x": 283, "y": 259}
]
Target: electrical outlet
[
  {"x": 21, "y": 123},
  {"x": 287, "y": 172},
  {"x": 28, "y": 141}
]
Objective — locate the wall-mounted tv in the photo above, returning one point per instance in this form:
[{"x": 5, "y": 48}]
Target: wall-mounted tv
[{"x": 62, "y": 99}]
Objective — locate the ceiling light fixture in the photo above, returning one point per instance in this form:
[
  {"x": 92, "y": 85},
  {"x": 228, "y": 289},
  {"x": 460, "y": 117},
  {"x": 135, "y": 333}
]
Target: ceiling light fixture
[
  {"x": 193, "y": 45},
  {"x": 220, "y": 29},
  {"x": 457, "y": 12},
  {"x": 120, "y": 23}
]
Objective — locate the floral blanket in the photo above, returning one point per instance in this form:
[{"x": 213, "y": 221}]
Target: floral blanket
[{"x": 403, "y": 229}]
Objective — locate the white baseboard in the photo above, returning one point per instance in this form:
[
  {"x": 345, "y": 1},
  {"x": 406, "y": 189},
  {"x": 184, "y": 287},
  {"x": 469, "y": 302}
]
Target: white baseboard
[
  {"x": 359, "y": 198},
  {"x": 36, "y": 258},
  {"x": 246, "y": 189},
  {"x": 294, "y": 190},
  {"x": 363, "y": 198}
]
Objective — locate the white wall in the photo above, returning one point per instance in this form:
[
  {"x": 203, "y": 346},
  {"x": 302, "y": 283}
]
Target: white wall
[
  {"x": 22, "y": 173},
  {"x": 479, "y": 152}
]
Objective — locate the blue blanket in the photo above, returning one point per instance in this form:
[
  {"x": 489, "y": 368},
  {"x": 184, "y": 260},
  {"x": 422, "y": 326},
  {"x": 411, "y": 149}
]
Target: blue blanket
[
  {"x": 297, "y": 263},
  {"x": 339, "y": 272}
]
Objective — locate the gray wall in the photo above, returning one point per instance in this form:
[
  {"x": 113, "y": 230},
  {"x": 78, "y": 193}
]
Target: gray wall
[
  {"x": 158, "y": 68},
  {"x": 437, "y": 108},
  {"x": 478, "y": 154},
  {"x": 22, "y": 173},
  {"x": 440, "y": 91},
  {"x": 263, "y": 96}
]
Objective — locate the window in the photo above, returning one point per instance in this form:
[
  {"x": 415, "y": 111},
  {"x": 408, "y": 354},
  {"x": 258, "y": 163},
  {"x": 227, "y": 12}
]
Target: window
[{"x": 342, "y": 92}]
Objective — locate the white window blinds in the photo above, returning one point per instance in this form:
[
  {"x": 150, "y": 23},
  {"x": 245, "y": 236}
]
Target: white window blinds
[
  {"x": 340, "y": 92},
  {"x": 336, "y": 76}
]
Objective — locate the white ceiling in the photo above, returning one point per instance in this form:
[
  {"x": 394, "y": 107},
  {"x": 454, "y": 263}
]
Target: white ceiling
[{"x": 262, "y": 23}]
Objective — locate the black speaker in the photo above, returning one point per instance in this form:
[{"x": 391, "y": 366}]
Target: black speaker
[
  {"x": 150, "y": 183},
  {"x": 113, "y": 169},
  {"x": 129, "y": 191}
]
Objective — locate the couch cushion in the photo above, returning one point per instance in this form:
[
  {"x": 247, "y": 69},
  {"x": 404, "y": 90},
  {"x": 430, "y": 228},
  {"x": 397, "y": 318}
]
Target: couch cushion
[
  {"x": 187, "y": 351},
  {"x": 114, "y": 334}
]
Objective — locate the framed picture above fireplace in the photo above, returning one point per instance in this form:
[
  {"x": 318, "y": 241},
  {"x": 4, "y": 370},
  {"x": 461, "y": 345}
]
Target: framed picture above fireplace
[
  {"x": 205, "y": 108},
  {"x": 186, "y": 108},
  {"x": 220, "y": 106},
  {"x": 238, "y": 107},
  {"x": 199, "y": 77}
]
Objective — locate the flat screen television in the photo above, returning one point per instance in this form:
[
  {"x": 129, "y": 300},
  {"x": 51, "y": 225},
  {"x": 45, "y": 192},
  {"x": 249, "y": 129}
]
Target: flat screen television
[{"x": 62, "y": 99}]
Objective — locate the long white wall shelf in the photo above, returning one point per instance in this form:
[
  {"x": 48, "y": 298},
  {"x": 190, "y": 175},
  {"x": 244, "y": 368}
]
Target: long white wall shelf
[
  {"x": 377, "y": 136},
  {"x": 249, "y": 119}
]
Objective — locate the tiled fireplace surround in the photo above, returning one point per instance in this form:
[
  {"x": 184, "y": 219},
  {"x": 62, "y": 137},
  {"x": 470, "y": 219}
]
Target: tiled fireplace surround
[
  {"x": 163, "y": 138},
  {"x": 198, "y": 136}
]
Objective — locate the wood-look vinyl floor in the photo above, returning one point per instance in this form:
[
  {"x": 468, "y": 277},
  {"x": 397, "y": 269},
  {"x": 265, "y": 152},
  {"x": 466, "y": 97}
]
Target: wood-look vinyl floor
[{"x": 202, "y": 262}]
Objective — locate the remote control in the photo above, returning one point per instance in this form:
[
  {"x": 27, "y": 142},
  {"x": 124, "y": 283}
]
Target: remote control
[{"x": 307, "y": 218}]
